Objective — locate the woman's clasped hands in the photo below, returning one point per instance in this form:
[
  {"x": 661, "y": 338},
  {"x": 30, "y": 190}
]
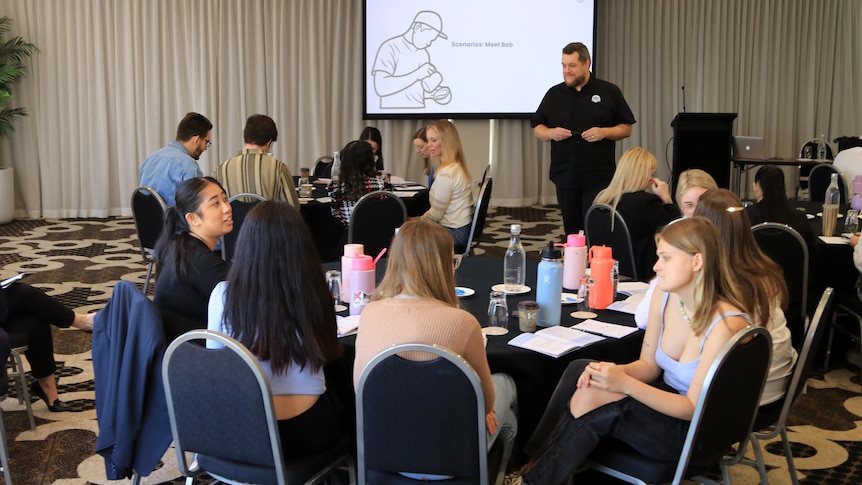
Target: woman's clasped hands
[{"x": 603, "y": 375}]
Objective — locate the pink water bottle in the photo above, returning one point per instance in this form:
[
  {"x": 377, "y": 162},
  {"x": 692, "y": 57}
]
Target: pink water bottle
[
  {"x": 574, "y": 261},
  {"x": 601, "y": 295},
  {"x": 351, "y": 251},
  {"x": 362, "y": 283}
]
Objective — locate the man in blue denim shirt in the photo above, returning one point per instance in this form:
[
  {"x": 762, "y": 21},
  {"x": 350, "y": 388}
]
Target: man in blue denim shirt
[{"x": 167, "y": 167}]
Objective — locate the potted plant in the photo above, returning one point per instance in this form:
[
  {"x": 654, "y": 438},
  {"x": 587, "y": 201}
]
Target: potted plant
[{"x": 13, "y": 53}]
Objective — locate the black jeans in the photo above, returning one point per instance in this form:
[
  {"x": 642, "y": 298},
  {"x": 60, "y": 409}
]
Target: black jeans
[
  {"x": 561, "y": 442},
  {"x": 33, "y": 312},
  {"x": 573, "y": 206}
]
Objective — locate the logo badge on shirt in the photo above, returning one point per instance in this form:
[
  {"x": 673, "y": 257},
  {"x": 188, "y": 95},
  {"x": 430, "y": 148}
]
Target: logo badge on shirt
[{"x": 596, "y": 98}]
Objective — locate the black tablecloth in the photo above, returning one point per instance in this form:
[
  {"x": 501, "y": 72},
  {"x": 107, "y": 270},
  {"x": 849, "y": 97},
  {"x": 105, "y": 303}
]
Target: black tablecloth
[
  {"x": 830, "y": 264},
  {"x": 329, "y": 235},
  {"x": 535, "y": 374}
]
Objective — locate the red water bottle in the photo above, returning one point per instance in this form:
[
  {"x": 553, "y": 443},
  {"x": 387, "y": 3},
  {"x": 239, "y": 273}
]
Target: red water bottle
[{"x": 601, "y": 295}]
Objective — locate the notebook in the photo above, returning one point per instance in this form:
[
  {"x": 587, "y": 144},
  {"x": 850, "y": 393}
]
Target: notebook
[{"x": 748, "y": 147}]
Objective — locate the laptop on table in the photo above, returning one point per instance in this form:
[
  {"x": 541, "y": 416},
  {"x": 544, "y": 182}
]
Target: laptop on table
[{"x": 749, "y": 148}]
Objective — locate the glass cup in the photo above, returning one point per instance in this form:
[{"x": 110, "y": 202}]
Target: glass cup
[
  {"x": 851, "y": 222},
  {"x": 498, "y": 314},
  {"x": 528, "y": 316},
  {"x": 333, "y": 281}
]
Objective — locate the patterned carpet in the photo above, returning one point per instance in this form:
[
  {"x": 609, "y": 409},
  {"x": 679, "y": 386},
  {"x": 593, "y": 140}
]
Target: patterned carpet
[{"x": 79, "y": 260}]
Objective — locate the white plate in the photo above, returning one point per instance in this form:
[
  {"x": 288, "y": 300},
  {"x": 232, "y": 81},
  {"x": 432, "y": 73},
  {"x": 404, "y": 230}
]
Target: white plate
[
  {"x": 820, "y": 214},
  {"x": 495, "y": 331},
  {"x": 809, "y": 216},
  {"x": 519, "y": 291},
  {"x": 464, "y": 292},
  {"x": 570, "y": 298},
  {"x": 340, "y": 308}
]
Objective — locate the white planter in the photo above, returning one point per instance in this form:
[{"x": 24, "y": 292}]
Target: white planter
[{"x": 7, "y": 195}]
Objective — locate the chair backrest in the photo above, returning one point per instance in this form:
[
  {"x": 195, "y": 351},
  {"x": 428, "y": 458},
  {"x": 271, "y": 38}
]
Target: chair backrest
[
  {"x": 725, "y": 411},
  {"x": 818, "y": 181},
  {"x": 420, "y": 416},
  {"x": 600, "y": 232},
  {"x": 374, "y": 220},
  {"x": 323, "y": 167},
  {"x": 241, "y": 205},
  {"x": 148, "y": 212},
  {"x": 786, "y": 247},
  {"x": 220, "y": 406},
  {"x": 812, "y": 146},
  {"x": 479, "y": 215}
]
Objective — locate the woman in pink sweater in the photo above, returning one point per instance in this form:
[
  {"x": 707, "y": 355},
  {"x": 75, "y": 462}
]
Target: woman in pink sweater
[{"x": 416, "y": 303}]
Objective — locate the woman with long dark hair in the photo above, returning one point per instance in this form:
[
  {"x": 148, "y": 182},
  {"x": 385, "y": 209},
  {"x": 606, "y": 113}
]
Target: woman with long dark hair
[
  {"x": 188, "y": 266},
  {"x": 275, "y": 302},
  {"x": 420, "y": 143},
  {"x": 772, "y": 203},
  {"x": 358, "y": 177},
  {"x": 372, "y": 136}
]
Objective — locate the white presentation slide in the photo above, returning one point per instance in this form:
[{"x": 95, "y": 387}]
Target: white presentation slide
[{"x": 467, "y": 58}]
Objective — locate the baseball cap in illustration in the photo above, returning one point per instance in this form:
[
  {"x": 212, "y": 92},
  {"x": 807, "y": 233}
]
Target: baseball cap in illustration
[{"x": 431, "y": 19}]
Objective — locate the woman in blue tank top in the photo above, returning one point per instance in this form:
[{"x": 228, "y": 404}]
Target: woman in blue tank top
[{"x": 647, "y": 403}]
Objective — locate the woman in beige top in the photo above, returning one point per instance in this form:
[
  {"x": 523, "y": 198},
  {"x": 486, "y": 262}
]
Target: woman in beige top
[{"x": 416, "y": 303}]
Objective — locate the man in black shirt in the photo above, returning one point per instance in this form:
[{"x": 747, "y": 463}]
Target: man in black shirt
[{"x": 582, "y": 117}]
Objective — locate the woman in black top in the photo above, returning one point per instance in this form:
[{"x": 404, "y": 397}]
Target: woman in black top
[
  {"x": 188, "y": 266},
  {"x": 772, "y": 204}
]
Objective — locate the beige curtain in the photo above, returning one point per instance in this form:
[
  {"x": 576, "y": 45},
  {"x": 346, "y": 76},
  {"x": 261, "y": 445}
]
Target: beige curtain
[{"x": 114, "y": 77}]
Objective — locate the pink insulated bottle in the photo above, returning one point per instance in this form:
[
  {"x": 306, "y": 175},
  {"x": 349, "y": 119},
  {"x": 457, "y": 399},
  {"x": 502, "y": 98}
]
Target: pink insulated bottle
[
  {"x": 362, "y": 283},
  {"x": 574, "y": 261},
  {"x": 351, "y": 251},
  {"x": 601, "y": 266}
]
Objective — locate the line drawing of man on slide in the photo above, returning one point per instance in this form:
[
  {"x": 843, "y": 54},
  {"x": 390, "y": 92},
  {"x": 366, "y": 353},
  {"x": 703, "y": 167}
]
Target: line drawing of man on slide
[{"x": 403, "y": 74}]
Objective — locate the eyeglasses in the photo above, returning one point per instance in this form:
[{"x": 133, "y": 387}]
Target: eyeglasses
[
  {"x": 209, "y": 142},
  {"x": 456, "y": 260}
]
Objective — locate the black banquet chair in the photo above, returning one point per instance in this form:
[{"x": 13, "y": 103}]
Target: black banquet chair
[
  {"x": 420, "y": 416},
  {"x": 148, "y": 212},
  {"x": 787, "y": 248},
  {"x": 819, "y": 179},
  {"x": 241, "y": 205},
  {"x": 597, "y": 224},
  {"x": 374, "y": 220},
  {"x": 323, "y": 167},
  {"x": 479, "y": 215},
  {"x": 220, "y": 406},
  {"x": 723, "y": 416}
]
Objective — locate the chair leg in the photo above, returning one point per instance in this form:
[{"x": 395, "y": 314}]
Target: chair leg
[
  {"x": 149, "y": 273},
  {"x": 21, "y": 379},
  {"x": 4, "y": 452},
  {"x": 791, "y": 466},
  {"x": 758, "y": 454}
]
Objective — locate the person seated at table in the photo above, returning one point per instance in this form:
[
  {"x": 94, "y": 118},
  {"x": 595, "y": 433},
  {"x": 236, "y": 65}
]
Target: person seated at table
[
  {"x": 276, "y": 303},
  {"x": 690, "y": 186},
  {"x": 420, "y": 143},
  {"x": 416, "y": 303},
  {"x": 188, "y": 266},
  {"x": 358, "y": 177},
  {"x": 764, "y": 291},
  {"x": 692, "y": 183},
  {"x": 643, "y": 201},
  {"x": 648, "y": 403},
  {"x": 451, "y": 194},
  {"x": 772, "y": 204},
  {"x": 253, "y": 170},
  {"x": 372, "y": 136},
  {"x": 27, "y": 310}
]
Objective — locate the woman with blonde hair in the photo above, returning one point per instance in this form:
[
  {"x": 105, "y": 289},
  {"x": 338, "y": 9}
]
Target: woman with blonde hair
[
  {"x": 648, "y": 403},
  {"x": 690, "y": 186},
  {"x": 416, "y": 303},
  {"x": 451, "y": 194},
  {"x": 643, "y": 201}
]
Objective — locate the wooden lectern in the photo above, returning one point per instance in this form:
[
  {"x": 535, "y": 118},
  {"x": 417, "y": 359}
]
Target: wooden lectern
[{"x": 702, "y": 140}]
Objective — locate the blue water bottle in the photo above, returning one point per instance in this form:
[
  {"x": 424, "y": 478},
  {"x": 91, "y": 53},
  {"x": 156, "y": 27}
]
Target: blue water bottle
[{"x": 549, "y": 286}]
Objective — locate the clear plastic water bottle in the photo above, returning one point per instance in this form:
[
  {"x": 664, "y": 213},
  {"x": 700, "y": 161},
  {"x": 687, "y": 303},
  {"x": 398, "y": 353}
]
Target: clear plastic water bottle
[
  {"x": 336, "y": 166},
  {"x": 833, "y": 194},
  {"x": 515, "y": 262},
  {"x": 821, "y": 148}
]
